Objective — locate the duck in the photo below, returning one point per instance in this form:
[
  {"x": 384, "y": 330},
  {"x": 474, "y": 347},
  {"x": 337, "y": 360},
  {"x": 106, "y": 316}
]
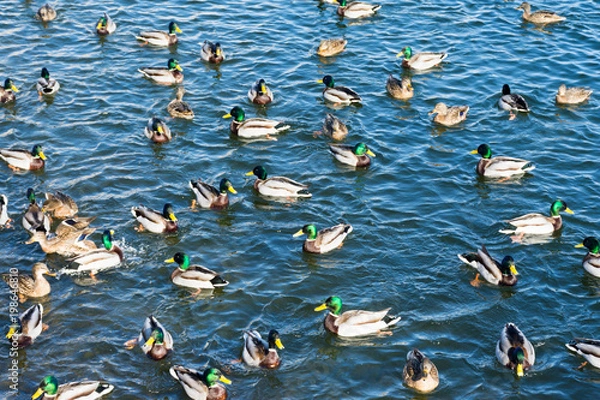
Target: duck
[
  {"x": 31, "y": 286},
  {"x": 419, "y": 372},
  {"x": 420, "y": 61},
  {"x": 45, "y": 85},
  {"x": 538, "y": 224},
  {"x": 74, "y": 225},
  {"x": 260, "y": 353},
  {"x": 513, "y": 350},
  {"x": 260, "y": 93},
  {"x": 105, "y": 25},
  {"x": 356, "y": 9},
  {"x": 66, "y": 243},
  {"x": 208, "y": 196},
  {"x": 340, "y": 95},
  {"x": 253, "y": 128},
  {"x": 355, "y": 156},
  {"x": 7, "y": 93},
  {"x": 60, "y": 205},
  {"x": 500, "y": 167},
  {"x": 500, "y": 274},
  {"x": 324, "y": 240},
  {"x": 512, "y": 102},
  {"x": 29, "y": 326},
  {"x": 573, "y": 95},
  {"x": 21, "y": 159},
  {"x": 154, "y": 339},
  {"x": 201, "y": 386},
  {"x": 171, "y": 75},
  {"x": 277, "y": 186},
  {"x": 588, "y": 348},
  {"x": 331, "y": 47},
  {"x": 541, "y": 17},
  {"x": 212, "y": 52},
  {"x": 5, "y": 220},
  {"x": 155, "y": 221},
  {"x": 34, "y": 218},
  {"x": 400, "y": 89},
  {"x": 193, "y": 275},
  {"x": 591, "y": 261},
  {"x": 157, "y": 130},
  {"x": 178, "y": 108},
  {"x": 354, "y": 323},
  {"x": 97, "y": 260},
  {"x": 334, "y": 128},
  {"x": 49, "y": 389},
  {"x": 449, "y": 116},
  {"x": 160, "y": 38},
  {"x": 46, "y": 13}
]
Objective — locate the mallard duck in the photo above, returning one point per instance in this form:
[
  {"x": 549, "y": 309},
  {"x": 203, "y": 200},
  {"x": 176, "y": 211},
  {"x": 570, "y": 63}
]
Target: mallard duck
[
  {"x": 208, "y": 196},
  {"x": 277, "y": 186},
  {"x": 501, "y": 274},
  {"x": 420, "y": 61},
  {"x": 7, "y": 93},
  {"x": 30, "y": 326},
  {"x": 354, "y": 322},
  {"x": 331, "y": 47},
  {"x": 419, "y": 372},
  {"x": 574, "y": 95},
  {"x": 19, "y": 159},
  {"x": 449, "y": 116},
  {"x": 512, "y": 102},
  {"x": 356, "y": 156},
  {"x": 260, "y": 353},
  {"x": 194, "y": 276},
  {"x": 97, "y": 260},
  {"x": 538, "y": 224},
  {"x": 105, "y": 25},
  {"x": 591, "y": 261},
  {"x": 156, "y": 342},
  {"x": 201, "y": 386},
  {"x": 46, "y": 13},
  {"x": 254, "y": 127},
  {"x": 212, "y": 52},
  {"x": 178, "y": 108},
  {"x": 74, "y": 225},
  {"x": 588, "y": 348},
  {"x": 513, "y": 350},
  {"x": 334, "y": 127},
  {"x": 157, "y": 130},
  {"x": 541, "y": 17},
  {"x": 87, "y": 390},
  {"x": 338, "y": 94},
  {"x": 356, "y": 9},
  {"x": 45, "y": 85},
  {"x": 260, "y": 93},
  {"x": 34, "y": 218},
  {"x": 4, "y": 218},
  {"x": 400, "y": 89},
  {"x": 500, "y": 167},
  {"x": 155, "y": 221},
  {"x": 60, "y": 205},
  {"x": 29, "y": 286},
  {"x": 160, "y": 38},
  {"x": 165, "y": 76},
  {"x": 326, "y": 239},
  {"x": 66, "y": 243}
]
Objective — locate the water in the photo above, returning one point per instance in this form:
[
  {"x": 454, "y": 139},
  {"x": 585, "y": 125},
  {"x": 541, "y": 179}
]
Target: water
[{"x": 418, "y": 205}]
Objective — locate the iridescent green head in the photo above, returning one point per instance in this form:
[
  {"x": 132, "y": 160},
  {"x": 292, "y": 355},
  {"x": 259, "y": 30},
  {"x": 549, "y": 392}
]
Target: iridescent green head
[
  {"x": 36, "y": 151},
  {"x": 45, "y": 74},
  {"x": 333, "y": 304},
  {"x": 361, "y": 149},
  {"x": 49, "y": 386},
  {"x": 9, "y": 85},
  {"x": 274, "y": 340},
  {"x": 107, "y": 239},
  {"x": 484, "y": 151},
  {"x": 226, "y": 186},
  {"x": 508, "y": 267},
  {"x": 212, "y": 375},
  {"x": 520, "y": 359},
  {"x": 310, "y": 230},
  {"x": 173, "y": 28},
  {"x": 558, "y": 206},
  {"x": 157, "y": 337},
  {"x": 342, "y": 3},
  {"x": 591, "y": 243},
  {"x": 237, "y": 113},
  {"x": 168, "y": 212},
  {"x": 406, "y": 52},
  {"x": 182, "y": 259},
  {"x": 31, "y": 195},
  {"x": 173, "y": 65},
  {"x": 328, "y": 81},
  {"x": 101, "y": 23},
  {"x": 259, "y": 171}
]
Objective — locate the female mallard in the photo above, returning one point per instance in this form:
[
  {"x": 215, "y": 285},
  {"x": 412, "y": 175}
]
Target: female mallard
[
  {"x": 31, "y": 286},
  {"x": 60, "y": 205},
  {"x": 208, "y": 196},
  {"x": 501, "y": 274},
  {"x": 326, "y": 239},
  {"x": 541, "y": 17},
  {"x": 573, "y": 95},
  {"x": 194, "y": 276},
  {"x": 34, "y": 218},
  {"x": 260, "y": 353},
  {"x": 29, "y": 326},
  {"x": 356, "y": 9},
  {"x": 354, "y": 322},
  {"x": 420, "y": 61},
  {"x": 7, "y": 93},
  {"x": 165, "y": 76},
  {"x": 419, "y": 372},
  {"x": 334, "y": 128},
  {"x": 201, "y": 386},
  {"x": 400, "y": 89},
  {"x": 160, "y": 38},
  {"x": 105, "y": 25},
  {"x": 513, "y": 350},
  {"x": 338, "y": 94},
  {"x": 212, "y": 52},
  {"x": 500, "y": 167},
  {"x": 260, "y": 93},
  {"x": 356, "y": 156},
  {"x": 178, "y": 108},
  {"x": 538, "y": 224},
  {"x": 88, "y": 390},
  {"x": 5, "y": 220},
  {"x": 512, "y": 102},
  {"x": 591, "y": 261},
  {"x": 156, "y": 342},
  {"x": 65, "y": 243},
  {"x": 155, "y": 221},
  {"x": 97, "y": 260},
  {"x": 331, "y": 47},
  {"x": 277, "y": 186},
  {"x": 157, "y": 130},
  {"x": 45, "y": 85},
  {"x": 449, "y": 116},
  {"x": 46, "y": 13},
  {"x": 20, "y": 159},
  {"x": 254, "y": 127},
  {"x": 588, "y": 348},
  {"x": 74, "y": 225}
]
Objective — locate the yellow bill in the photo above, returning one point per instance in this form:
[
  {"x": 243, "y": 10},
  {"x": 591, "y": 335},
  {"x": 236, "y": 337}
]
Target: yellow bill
[
  {"x": 225, "y": 380},
  {"x": 569, "y": 211},
  {"x": 232, "y": 190},
  {"x": 228, "y": 116},
  {"x": 37, "y": 393},
  {"x": 369, "y": 152},
  {"x": 279, "y": 344},
  {"x": 299, "y": 233},
  {"x": 520, "y": 370},
  {"x": 170, "y": 260},
  {"x": 321, "y": 307},
  {"x": 42, "y": 156}
]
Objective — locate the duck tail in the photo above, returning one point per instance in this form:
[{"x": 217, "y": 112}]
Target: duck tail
[{"x": 391, "y": 320}]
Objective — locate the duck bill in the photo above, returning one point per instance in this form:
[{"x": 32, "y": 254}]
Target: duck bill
[
  {"x": 370, "y": 153},
  {"x": 520, "y": 370},
  {"x": 320, "y": 81},
  {"x": 218, "y": 52},
  {"x": 321, "y": 307},
  {"x": 473, "y": 151},
  {"x": 263, "y": 88},
  {"x": 11, "y": 332},
  {"x": 401, "y": 54},
  {"x": 178, "y": 68},
  {"x": 248, "y": 173},
  {"x": 149, "y": 342},
  {"x": 224, "y": 380},
  {"x": 42, "y": 156},
  {"x": 513, "y": 270},
  {"x": 14, "y": 88},
  {"x": 579, "y": 246},
  {"x": 569, "y": 211},
  {"x": 228, "y": 116},
  {"x": 172, "y": 217},
  {"x": 279, "y": 344},
  {"x": 178, "y": 30},
  {"x": 99, "y": 26},
  {"x": 170, "y": 260},
  {"x": 232, "y": 190},
  {"x": 299, "y": 233},
  {"x": 160, "y": 129},
  {"x": 53, "y": 274},
  {"x": 37, "y": 393}
]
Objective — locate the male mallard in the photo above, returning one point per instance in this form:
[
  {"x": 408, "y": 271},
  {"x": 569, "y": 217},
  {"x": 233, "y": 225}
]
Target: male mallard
[
  {"x": 420, "y": 61},
  {"x": 260, "y": 93},
  {"x": 588, "y": 348},
  {"x": 45, "y": 85},
  {"x": 513, "y": 350},
  {"x": 573, "y": 95},
  {"x": 60, "y": 205},
  {"x": 419, "y": 372},
  {"x": 326, "y": 239},
  {"x": 449, "y": 116},
  {"x": 400, "y": 89},
  {"x": 201, "y": 386},
  {"x": 354, "y": 322},
  {"x": 500, "y": 167},
  {"x": 87, "y": 390},
  {"x": 105, "y": 25},
  {"x": 65, "y": 243},
  {"x": 208, "y": 196},
  {"x": 7, "y": 93},
  {"x": 511, "y": 101},
  {"x": 46, "y": 13},
  {"x": 157, "y": 130},
  {"x": 334, "y": 127},
  {"x": 338, "y": 94},
  {"x": 541, "y": 17},
  {"x": 4, "y": 218},
  {"x": 277, "y": 186},
  {"x": 156, "y": 342},
  {"x": 538, "y": 224},
  {"x": 29, "y": 286},
  {"x": 34, "y": 218},
  {"x": 30, "y": 326},
  {"x": 501, "y": 274},
  {"x": 160, "y": 38},
  {"x": 356, "y": 156},
  {"x": 155, "y": 221},
  {"x": 331, "y": 47},
  {"x": 260, "y": 353},
  {"x": 20, "y": 159},
  {"x": 254, "y": 127},
  {"x": 212, "y": 52},
  {"x": 96, "y": 260},
  {"x": 194, "y": 276},
  {"x": 591, "y": 261},
  {"x": 356, "y": 9},
  {"x": 165, "y": 76},
  {"x": 178, "y": 108}
]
